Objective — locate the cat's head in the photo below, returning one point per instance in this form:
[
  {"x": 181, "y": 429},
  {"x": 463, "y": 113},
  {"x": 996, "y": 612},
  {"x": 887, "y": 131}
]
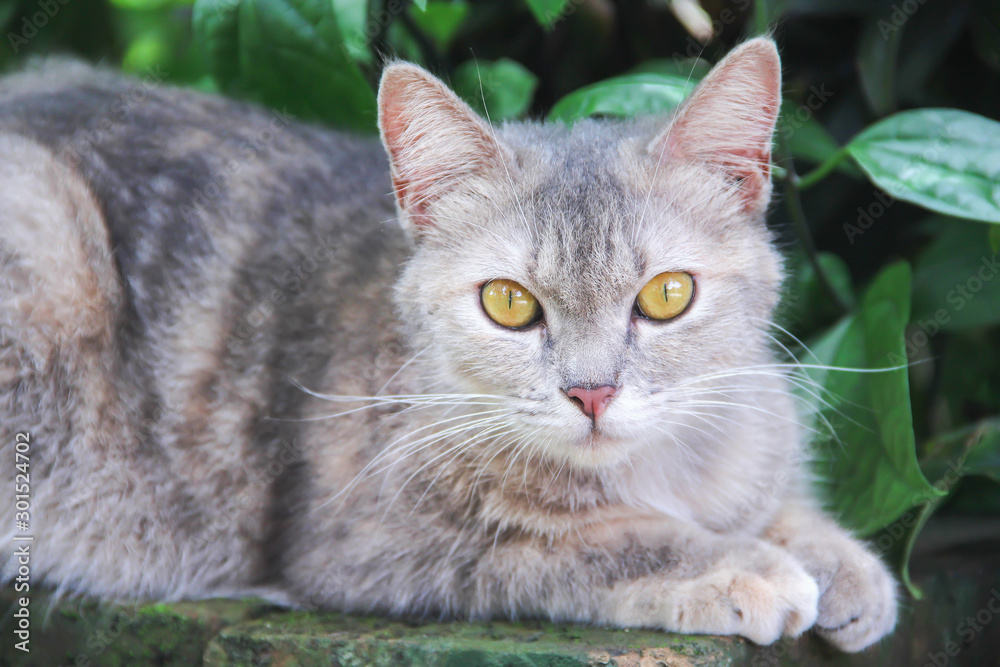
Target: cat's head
[{"x": 591, "y": 274}]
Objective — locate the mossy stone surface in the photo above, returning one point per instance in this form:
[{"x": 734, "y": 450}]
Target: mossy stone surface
[
  {"x": 85, "y": 633},
  {"x": 954, "y": 624},
  {"x": 310, "y": 640}
]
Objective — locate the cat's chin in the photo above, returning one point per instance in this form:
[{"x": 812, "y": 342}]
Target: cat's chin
[{"x": 595, "y": 450}]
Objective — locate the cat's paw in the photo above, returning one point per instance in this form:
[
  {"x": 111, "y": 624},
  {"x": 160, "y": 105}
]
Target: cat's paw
[
  {"x": 761, "y": 594},
  {"x": 857, "y": 605}
]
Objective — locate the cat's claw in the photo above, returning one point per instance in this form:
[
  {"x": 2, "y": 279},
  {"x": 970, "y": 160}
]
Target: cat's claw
[
  {"x": 858, "y": 606},
  {"x": 761, "y": 604}
]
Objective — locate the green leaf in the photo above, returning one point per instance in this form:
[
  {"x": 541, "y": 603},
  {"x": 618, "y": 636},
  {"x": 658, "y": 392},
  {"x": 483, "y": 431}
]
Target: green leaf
[
  {"x": 504, "y": 85},
  {"x": 973, "y": 450},
  {"x": 809, "y": 140},
  {"x": 942, "y": 159},
  {"x": 806, "y": 305},
  {"x": 995, "y": 239},
  {"x": 955, "y": 281},
  {"x": 694, "y": 69},
  {"x": 288, "y": 54},
  {"x": 806, "y": 137},
  {"x": 215, "y": 24},
  {"x": 872, "y": 470},
  {"x": 627, "y": 95},
  {"x": 441, "y": 20},
  {"x": 352, "y": 18},
  {"x": 985, "y": 28},
  {"x": 420, "y": 4},
  {"x": 877, "y": 56},
  {"x": 547, "y": 12},
  {"x": 766, "y": 13}
]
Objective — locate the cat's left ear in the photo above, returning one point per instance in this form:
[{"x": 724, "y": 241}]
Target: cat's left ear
[
  {"x": 728, "y": 121},
  {"x": 435, "y": 141}
]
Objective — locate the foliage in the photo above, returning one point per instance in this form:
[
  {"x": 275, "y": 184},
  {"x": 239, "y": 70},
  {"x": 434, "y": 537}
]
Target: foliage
[{"x": 893, "y": 104}]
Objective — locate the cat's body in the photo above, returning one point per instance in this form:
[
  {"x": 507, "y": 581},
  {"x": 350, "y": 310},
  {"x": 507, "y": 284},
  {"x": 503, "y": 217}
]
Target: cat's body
[{"x": 199, "y": 301}]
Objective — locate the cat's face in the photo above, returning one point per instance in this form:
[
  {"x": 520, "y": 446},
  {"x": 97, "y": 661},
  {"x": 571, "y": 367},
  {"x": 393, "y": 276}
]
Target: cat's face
[{"x": 533, "y": 246}]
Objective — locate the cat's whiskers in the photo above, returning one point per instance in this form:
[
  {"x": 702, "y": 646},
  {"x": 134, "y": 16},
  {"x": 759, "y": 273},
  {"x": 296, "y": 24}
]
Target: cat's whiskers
[
  {"x": 523, "y": 441},
  {"x": 506, "y": 242},
  {"x": 402, "y": 367},
  {"x": 400, "y": 446},
  {"x": 455, "y": 451},
  {"x": 787, "y": 372},
  {"x": 663, "y": 139},
  {"x": 503, "y": 162}
]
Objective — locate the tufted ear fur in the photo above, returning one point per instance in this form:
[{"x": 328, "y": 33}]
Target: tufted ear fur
[
  {"x": 729, "y": 119},
  {"x": 435, "y": 141}
]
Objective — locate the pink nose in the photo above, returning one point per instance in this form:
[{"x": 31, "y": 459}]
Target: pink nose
[{"x": 593, "y": 402}]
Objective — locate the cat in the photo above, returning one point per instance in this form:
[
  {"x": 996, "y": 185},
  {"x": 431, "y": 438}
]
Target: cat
[{"x": 471, "y": 372}]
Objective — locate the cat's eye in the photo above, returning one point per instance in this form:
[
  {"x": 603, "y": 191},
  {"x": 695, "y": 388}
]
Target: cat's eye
[
  {"x": 666, "y": 296},
  {"x": 509, "y": 304}
]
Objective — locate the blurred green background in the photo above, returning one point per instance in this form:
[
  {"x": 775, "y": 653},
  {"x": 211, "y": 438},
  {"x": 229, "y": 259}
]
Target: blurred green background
[{"x": 887, "y": 175}]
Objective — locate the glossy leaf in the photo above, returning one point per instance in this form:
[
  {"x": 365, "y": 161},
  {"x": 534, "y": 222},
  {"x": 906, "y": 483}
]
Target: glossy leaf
[
  {"x": 288, "y": 54},
  {"x": 942, "y": 159},
  {"x": 440, "y": 21},
  {"x": 956, "y": 280},
  {"x": 627, "y": 95},
  {"x": 547, "y": 12},
  {"x": 948, "y": 459},
  {"x": 352, "y": 17},
  {"x": 871, "y": 470},
  {"x": 806, "y": 304},
  {"x": 878, "y": 52},
  {"x": 500, "y": 89}
]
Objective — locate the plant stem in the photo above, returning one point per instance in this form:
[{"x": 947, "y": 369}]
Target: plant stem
[
  {"x": 428, "y": 50},
  {"x": 822, "y": 171},
  {"x": 797, "y": 212},
  {"x": 762, "y": 11}
]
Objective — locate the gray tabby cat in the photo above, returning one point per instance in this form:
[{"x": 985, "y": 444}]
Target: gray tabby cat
[{"x": 539, "y": 382}]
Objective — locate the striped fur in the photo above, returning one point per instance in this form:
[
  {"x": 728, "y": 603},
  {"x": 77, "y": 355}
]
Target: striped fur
[{"x": 244, "y": 363}]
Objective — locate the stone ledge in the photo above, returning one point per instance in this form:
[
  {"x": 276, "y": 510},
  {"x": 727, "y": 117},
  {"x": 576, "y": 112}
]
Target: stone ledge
[{"x": 959, "y": 581}]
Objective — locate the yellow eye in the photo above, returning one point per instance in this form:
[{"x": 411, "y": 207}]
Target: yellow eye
[
  {"x": 509, "y": 304},
  {"x": 666, "y": 295}
]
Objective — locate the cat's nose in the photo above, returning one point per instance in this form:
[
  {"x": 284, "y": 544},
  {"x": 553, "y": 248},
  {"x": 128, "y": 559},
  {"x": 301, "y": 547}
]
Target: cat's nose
[{"x": 593, "y": 402}]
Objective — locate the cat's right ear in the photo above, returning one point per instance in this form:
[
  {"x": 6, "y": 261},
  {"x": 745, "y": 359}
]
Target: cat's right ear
[{"x": 435, "y": 141}]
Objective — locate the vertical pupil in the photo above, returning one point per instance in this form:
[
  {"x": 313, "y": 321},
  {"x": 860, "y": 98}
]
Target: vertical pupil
[
  {"x": 510, "y": 299},
  {"x": 666, "y": 298}
]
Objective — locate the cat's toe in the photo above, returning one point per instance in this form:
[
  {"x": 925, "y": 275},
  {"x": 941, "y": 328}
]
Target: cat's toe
[
  {"x": 859, "y": 606},
  {"x": 761, "y": 605}
]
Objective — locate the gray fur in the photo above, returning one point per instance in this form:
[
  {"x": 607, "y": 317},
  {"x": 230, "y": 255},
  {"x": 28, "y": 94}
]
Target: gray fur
[{"x": 239, "y": 369}]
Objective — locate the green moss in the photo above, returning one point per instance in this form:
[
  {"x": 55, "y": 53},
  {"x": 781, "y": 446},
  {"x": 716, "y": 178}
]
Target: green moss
[
  {"x": 227, "y": 633},
  {"x": 84, "y": 633},
  {"x": 304, "y": 640}
]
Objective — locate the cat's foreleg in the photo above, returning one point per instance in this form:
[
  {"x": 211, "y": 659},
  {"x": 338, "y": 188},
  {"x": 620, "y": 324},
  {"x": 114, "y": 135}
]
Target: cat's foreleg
[
  {"x": 857, "y": 604},
  {"x": 656, "y": 574}
]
